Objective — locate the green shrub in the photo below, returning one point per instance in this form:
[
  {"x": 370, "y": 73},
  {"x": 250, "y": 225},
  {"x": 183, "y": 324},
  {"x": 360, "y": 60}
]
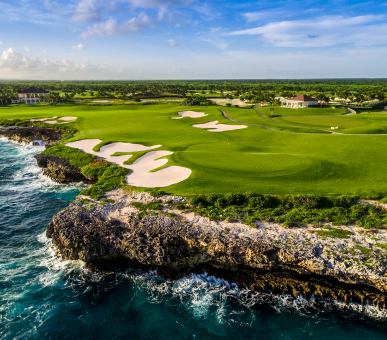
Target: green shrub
[
  {"x": 337, "y": 233},
  {"x": 96, "y": 168},
  {"x": 76, "y": 157},
  {"x": 112, "y": 178}
]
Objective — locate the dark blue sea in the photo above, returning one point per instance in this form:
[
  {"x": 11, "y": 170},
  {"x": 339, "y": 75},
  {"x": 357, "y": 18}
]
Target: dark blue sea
[{"x": 44, "y": 297}]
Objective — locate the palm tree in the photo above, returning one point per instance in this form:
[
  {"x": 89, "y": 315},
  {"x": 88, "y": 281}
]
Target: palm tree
[
  {"x": 320, "y": 97},
  {"x": 359, "y": 97}
]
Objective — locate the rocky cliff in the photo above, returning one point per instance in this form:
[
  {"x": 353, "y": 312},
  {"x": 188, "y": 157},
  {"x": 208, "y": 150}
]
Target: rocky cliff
[
  {"x": 112, "y": 234},
  {"x": 26, "y": 135},
  {"x": 60, "y": 170}
]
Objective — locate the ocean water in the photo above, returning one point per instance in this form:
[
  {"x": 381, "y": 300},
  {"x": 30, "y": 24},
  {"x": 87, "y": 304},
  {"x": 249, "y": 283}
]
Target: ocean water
[{"x": 43, "y": 297}]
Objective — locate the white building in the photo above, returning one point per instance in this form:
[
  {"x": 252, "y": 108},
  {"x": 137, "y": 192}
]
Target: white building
[
  {"x": 31, "y": 95},
  {"x": 299, "y": 102}
]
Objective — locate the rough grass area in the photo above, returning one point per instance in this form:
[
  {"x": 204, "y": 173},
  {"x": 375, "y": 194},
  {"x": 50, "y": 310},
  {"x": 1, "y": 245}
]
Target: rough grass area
[
  {"x": 76, "y": 157},
  {"x": 112, "y": 178},
  {"x": 292, "y": 211},
  {"x": 96, "y": 168},
  {"x": 336, "y": 233},
  {"x": 109, "y": 176}
]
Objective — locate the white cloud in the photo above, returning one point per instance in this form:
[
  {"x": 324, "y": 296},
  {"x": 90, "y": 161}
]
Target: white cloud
[
  {"x": 27, "y": 49},
  {"x": 44, "y": 51},
  {"x": 112, "y": 27},
  {"x": 172, "y": 43},
  {"x": 324, "y": 31},
  {"x": 13, "y": 62},
  {"x": 214, "y": 40},
  {"x": 79, "y": 47},
  {"x": 160, "y": 3},
  {"x": 266, "y": 15},
  {"x": 87, "y": 11}
]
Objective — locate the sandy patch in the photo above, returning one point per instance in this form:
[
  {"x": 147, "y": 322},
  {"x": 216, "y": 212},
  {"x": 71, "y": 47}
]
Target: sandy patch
[
  {"x": 191, "y": 114},
  {"x": 51, "y": 121},
  {"x": 215, "y": 127},
  {"x": 233, "y": 102},
  {"x": 67, "y": 118},
  {"x": 43, "y": 119},
  {"x": 101, "y": 101},
  {"x": 139, "y": 175},
  {"x": 162, "y": 178}
]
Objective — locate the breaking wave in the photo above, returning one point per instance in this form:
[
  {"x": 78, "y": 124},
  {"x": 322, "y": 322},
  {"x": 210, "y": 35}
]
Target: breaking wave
[{"x": 43, "y": 296}]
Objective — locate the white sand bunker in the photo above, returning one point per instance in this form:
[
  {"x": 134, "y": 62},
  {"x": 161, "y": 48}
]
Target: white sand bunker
[
  {"x": 139, "y": 175},
  {"x": 191, "y": 114},
  {"x": 162, "y": 178},
  {"x": 43, "y": 119},
  {"x": 53, "y": 120},
  {"x": 215, "y": 127}
]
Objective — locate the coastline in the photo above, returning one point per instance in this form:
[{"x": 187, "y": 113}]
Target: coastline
[{"x": 176, "y": 243}]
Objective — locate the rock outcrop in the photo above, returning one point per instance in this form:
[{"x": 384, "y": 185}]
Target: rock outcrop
[
  {"x": 175, "y": 247},
  {"x": 26, "y": 135},
  {"x": 60, "y": 169}
]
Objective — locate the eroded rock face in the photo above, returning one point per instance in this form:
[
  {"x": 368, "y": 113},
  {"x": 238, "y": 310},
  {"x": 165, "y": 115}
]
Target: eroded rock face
[
  {"x": 60, "y": 170},
  {"x": 26, "y": 135},
  {"x": 174, "y": 248}
]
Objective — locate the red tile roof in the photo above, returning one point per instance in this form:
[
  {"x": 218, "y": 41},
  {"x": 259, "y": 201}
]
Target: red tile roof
[{"x": 304, "y": 98}]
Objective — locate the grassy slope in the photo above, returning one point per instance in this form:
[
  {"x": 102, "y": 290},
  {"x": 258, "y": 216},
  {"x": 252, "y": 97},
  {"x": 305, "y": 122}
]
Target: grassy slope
[
  {"x": 308, "y": 111},
  {"x": 324, "y": 118},
  {"x": 252, "y": 159}
]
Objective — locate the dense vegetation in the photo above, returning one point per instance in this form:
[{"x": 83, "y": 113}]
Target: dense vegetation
[
  {"x": 256, "y": 91},
  {"x": 109, "y": 176},
  {"x": 291, "y": 211}
]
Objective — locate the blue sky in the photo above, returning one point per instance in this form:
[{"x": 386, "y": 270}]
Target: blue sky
[{"x": 192, "y": 39}]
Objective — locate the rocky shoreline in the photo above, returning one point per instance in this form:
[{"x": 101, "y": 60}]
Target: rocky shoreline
[
  {"x": 25, "y": 135},
  {"x": 270, "y": 257}
]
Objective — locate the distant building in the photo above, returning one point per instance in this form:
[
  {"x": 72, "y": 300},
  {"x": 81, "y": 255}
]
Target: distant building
[
  {"x": 298, "y": 102},
  {"x": 31, "y": 95}
]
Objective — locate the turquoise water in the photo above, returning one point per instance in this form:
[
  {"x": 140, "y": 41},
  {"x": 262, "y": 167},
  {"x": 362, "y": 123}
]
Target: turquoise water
[{"x": 43, "y": 297}]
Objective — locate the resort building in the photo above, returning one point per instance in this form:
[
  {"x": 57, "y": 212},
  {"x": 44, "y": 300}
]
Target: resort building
[
  {"x": 31, "y": 95},
  {"x": 299, "y": 102}
]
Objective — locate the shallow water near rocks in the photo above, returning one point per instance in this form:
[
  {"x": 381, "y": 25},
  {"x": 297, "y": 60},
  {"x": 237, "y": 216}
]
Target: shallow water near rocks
[{"x": 43, "y": 297}]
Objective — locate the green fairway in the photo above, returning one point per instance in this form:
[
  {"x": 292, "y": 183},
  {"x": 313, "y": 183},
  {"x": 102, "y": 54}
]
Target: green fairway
[
  {"x": 307, "y": 111},
  {"x": 252, "y": 159}
]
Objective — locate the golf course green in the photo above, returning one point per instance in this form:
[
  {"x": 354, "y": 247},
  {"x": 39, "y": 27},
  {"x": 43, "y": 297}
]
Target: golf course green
[{"x": 285, "y": 159}]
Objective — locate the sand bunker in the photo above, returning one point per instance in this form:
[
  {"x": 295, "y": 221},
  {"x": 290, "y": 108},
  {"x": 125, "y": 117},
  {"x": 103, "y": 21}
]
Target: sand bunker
[
  {"x": 225, "y": 101},
  {"x": 215, "y": 127},
  {"x": 43, "y": 119},
  {"x": 139, "y": 175},
  {"x": 191, "y": 114},
  {"x": 162, "y": 178},
  {"x": 51, "y": 121}
]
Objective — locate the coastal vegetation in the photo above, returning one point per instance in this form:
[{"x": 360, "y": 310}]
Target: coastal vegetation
[
  {"x": 109, "y": 176},
  {"x": 291, "y": 211}
]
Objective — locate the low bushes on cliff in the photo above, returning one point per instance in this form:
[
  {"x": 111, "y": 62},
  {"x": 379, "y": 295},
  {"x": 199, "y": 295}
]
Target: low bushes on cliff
[
  {"x": 109, "y": 176},
  {"x": 95, "y": 168},
  {"x": 112, "y": 178},
  {"x": 76, "y": 157},
  {"x": 288, "y": 210}
]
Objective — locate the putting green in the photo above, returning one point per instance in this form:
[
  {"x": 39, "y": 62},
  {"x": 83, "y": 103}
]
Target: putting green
[
  {"x": 323, "y": 121},
  {"x": 245, "y": 160},
  {"x": 307, "y": 111}
]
